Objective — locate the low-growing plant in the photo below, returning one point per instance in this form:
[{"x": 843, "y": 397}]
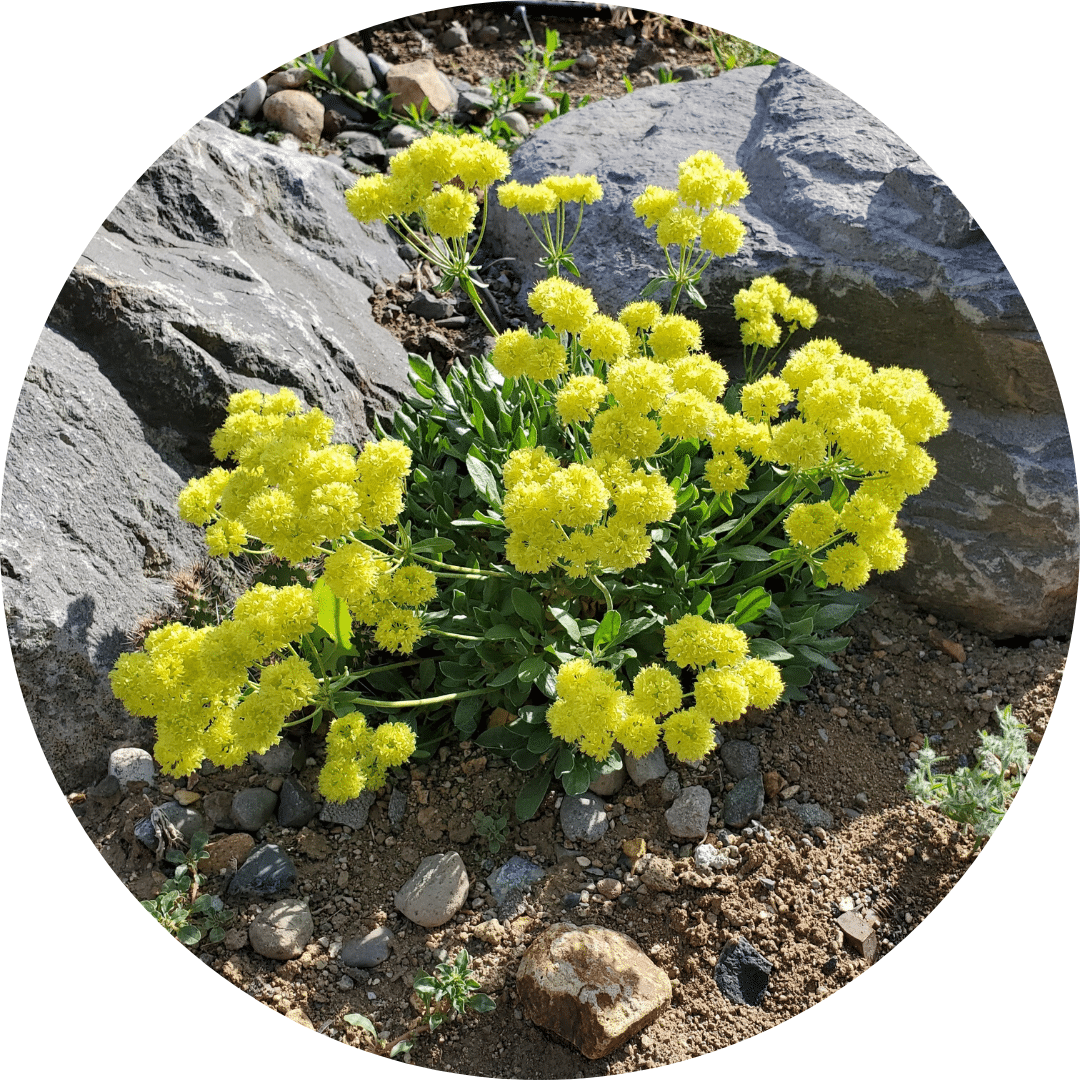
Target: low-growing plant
[
  {"x": 603, "y": 539},
  {"x": 450, "y": 991},
  {"x": 492, "y": 828},
  {"x": 976, "y": 796},
  {"x": 180, "y": 907}
]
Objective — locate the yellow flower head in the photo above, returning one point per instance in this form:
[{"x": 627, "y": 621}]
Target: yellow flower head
[
  {"x": 527, "y": 199},
  {"x": 579, "y": 188},
  {"x": 673, "y": 336},
  {"x": 606, "y": 339},
  {"x": 479, "y": 162},
  {"x": 579, "y": 398},
  {"x": 680, "y": 225},
  {"x": 654, "y": 203},
  {"x": 640, "y": 315},
  {"x": 564, "y": 306},
  {"x": 450, "y": 212},
  {"x": 811, "y": 524},
  {"x": 722, "y": 233}
]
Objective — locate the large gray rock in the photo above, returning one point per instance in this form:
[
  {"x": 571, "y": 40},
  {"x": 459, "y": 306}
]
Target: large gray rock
[
  {"x": 847, "y": 215},
  {"x": 230, "y": 264}
]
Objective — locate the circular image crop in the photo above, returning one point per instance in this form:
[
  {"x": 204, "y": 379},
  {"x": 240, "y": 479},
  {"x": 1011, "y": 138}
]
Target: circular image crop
[{"x": 538, "y": 541}]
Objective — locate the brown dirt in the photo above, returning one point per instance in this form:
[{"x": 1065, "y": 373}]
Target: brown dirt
[{"x": 893, "y": 860}]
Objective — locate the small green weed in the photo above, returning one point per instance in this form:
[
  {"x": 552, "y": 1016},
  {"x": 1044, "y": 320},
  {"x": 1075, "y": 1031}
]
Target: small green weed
[
  {"x": 977, "y": 797},
  {"x": 492, "y": 827},
  {"x": 449, "y": 991},
  {"x": 185, "y": 912}
]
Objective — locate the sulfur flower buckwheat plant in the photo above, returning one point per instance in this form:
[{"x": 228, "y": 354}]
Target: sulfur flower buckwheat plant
[{"x": 593, "y": 541}]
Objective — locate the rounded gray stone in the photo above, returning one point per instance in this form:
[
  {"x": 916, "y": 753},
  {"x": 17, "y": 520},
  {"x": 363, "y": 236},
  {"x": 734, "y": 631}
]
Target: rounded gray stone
[
  {"x": 277, "y": 761},
  {"x": 583, "y": 818},
  {"x": 282, "y": 931},
  {"x": 131, "y": 765},
  {"x": 435, "y": 893},
  {"x": 253, "y": 99},
  {"x": 688, "y": 816},
  {"x": 253, "y": 808},
  {"x": 810, "y": 814},
  {"x": 516, "y": 122},
  {"x": 369, "y": 951},
  {"x": 740, "y": 757},
  {"x": 350, "y": 64},
  {"x": 609, "y": 783}
]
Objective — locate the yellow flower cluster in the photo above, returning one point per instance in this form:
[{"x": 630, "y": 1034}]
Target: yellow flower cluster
[
  {"x": 695, "y": 211},
  {"x": 517, "y": 353},
  {"x": 757, "y": 306},
  {"x": 546, "y": 196},
  {"x": 580, "y": 517},
  {"x": 358, "y": 756},
  {"x": 193, "y": 680},
  {"x": 434, "y": 177},
  {"x": 379, "y": 595},
  {"x": 292, "y": 489},
  {"x": 728, "y": 680}
]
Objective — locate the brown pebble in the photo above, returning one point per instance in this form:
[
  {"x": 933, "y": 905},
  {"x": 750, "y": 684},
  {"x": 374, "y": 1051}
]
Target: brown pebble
[{"x": 774, "y": 783}]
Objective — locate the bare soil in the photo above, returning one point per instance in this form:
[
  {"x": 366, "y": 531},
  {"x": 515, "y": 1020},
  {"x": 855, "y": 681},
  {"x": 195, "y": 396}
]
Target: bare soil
[{"x": 905, "y": 676}]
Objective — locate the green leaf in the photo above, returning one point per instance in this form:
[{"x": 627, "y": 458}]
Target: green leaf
[
  {"x": 501, "y": 738},
  {"x": 525, "y": 759},
  {"x": 568, "y": 623},
  {"x": 483, "y": 479},
  {"x": 502, "y": 632},
  {"x": 749, "y": 606},
  {"x": 830, "y": 616},
  {"x": 528, "y": 607},
  {"x": 480, "y": 1003},
  {"x": 189, "y": 935},
  {"x": 506, "y": 676},
  {"x": 748, "y": 553},
  {"x": 531, "y": 668},
  {"x": 402, "y": 1047},
  {"x": 532, "y": 795},
  {"x": 434, "y": 544},
  {"x": 424, "y": 983},
  {"x": 334, "y": 615},
  {"x": 765, "y": 649},
  {"x": 422, "y": 368},
  {"x": 360, "y": 1021},
  {"x": 578, "y": 779},
  {"x": 608, "y": 630}
]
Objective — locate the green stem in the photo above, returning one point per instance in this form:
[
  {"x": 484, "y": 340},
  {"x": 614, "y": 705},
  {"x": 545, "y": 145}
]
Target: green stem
[
  {"x": 450, "y": 634},
  {"x": 371, "y": 703},
  {"x": 600, "y": 585}
]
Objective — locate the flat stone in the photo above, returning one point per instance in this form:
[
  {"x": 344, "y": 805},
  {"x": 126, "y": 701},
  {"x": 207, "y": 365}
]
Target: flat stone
[
  {"x": 650, "y": 767},
  {"x": 226, "y": 853},
  {"x": 809, "y": 814},
  {"x": 688, "y": 816},
  {"x": 429, "y": 306},
  {"x": 353, "y": 813},
  {"x": 282, "y": 931},
  {"x": 131, "y": 764},
  {"x": 296, "y": 807},
  {"x": 253, "y": 808},
  {"x": 266, "y": 872},
  {"x": 583, "y": 818},
  {"x": 740, "y": 758},
  {"x": 416, "y": 80},
  {"x": 510, "y": 882},
  {"x": 436, "y": 892},
  {"x": 591, "y": 986},
  {"x": 368, "y": 951},
  {"x": 289, "y": 79},
  {"x": 742, "y": 973},
  {"x": 277, "y": 761},
  {"x": 744, "y": 801}
]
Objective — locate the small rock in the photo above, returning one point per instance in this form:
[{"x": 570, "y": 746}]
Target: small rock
[
  {"x": 453, "y": 37},
  {"x": 583, "y": 818},
  {"x": 267, "y": 871},
  {"x": 688, "y": 816},
  {"x": 353, "y": 813},
  {"x": 773, "y": 782},
  {"x": 609, "y": 887},
  {"x": 419, "y": 79},
  {"x": 650, "y": 767},
  {"x": 282, "y": 931},
  {"x": 277, "y": 761},
  {"x": 516, "y": 122},
  {"x": 789, "y": 792},
  {"x": 429, "y": 306},
  {"x": 710, "y": 858},
  {"x": 541, "y": 105},
  {"x": 633, "y": 849},
  {"x": 744, "y": 801},
  {"x": 585, "y": 63},
  {"x": 228, "y": 853},
  {"x": 740, "y": 757},
  {"x": 252, "y": 808},
  {"x": 217, "y": 806},
  {"x": 742, "y": 973},
  {"x": 510, "y": 882},
  {"x": 131, "y": 765},
  {"x": 290, "y": 79},
  {"x": 298, "y": 1016},
  {"x": 368, "y": 951},
  {"x": 686, "y": 73},
  {"x": 487, "y": 35},
  {"x": 490, "y": 931},
  {"x": 187, "y": 798},
  {"x": 187, "y": 821},
  {"x": 648, "y": 53},
  {"x": 591, "y": 986},
  {"x": 296, "y": 807},
  {"x": 399, "y": 804},
  {"x": 659, "y": 874},
  {"x": 810, "y": 814},
  {"x": 608, "y": 784},
  {"x": 859, "y": 934},
  {"x": 436, "y": 892},
  {"x": 352, "y": 66},
  {"x": 879, "y": 640},
  {"x": 298, "y": 112},
  {"x": 862, "y": 801}
]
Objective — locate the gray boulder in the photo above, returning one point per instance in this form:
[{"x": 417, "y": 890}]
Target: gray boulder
[
  {"x": 847, "y": 215},
  {"x": 230, "y": 264}
]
